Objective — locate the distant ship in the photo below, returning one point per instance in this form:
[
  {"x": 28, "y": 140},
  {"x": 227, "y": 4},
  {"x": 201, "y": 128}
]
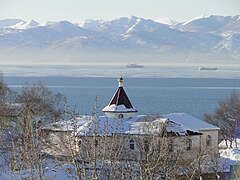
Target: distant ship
[
  {"x": 134, "y": 65},
  {"x": 207, "y": 68}
]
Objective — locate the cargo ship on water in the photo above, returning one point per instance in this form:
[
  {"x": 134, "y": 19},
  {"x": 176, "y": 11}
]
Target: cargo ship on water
[
  {"x": 207, "y": 68},
  {"x": 134, "y": 65}
]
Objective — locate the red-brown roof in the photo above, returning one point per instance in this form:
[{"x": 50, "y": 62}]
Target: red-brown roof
[
  {"x": 120, "y": 102},
  {"x": 120, "y": 98}
]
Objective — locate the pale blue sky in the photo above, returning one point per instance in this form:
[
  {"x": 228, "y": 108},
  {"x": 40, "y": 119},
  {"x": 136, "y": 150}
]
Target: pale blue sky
[{"x": 78, "y": 10}]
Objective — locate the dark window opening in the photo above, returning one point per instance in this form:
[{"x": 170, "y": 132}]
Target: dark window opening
[
  {"x": 170, "y": 146},
  {"x": 131, "y": 144},
  {"x": 146, "y": 146},
  {"x": 79, "y": 142},
  {"x": 209, "y": 140},
  {"x": 96, "y": 142}
]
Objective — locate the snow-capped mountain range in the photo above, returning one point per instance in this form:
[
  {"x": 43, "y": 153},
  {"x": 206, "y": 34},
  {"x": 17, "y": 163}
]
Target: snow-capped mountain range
[{"x": 205, "y": 34}]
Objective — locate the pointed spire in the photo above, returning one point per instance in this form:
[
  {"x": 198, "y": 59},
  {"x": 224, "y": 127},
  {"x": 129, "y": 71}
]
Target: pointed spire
[{"x": 120, "y": 104}]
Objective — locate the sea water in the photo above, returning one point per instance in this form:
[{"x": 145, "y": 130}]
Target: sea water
[{"x": 152, "y": 90}]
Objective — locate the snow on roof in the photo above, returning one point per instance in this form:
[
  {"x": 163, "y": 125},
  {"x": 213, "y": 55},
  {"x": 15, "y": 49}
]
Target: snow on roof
[
  {"x": 103, "y": 125},
  {"x": 107, "y": 126},
  {"x": 178, "y": 124},
  {"x": 154, "y": 126},
  {"x": 119, "y": 109},
  {"x": 68, "y": 125},
  {"x": 190, "y": 122}
]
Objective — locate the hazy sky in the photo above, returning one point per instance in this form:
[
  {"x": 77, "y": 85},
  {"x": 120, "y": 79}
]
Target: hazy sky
[{"x": 78, "y": 10}]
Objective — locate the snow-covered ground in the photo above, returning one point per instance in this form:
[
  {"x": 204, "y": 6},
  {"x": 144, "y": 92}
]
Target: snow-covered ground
[
  {"x": 229, "y": 156},
  {"x": 53, "y": 170},
  {"x": 61, "y": 171}
]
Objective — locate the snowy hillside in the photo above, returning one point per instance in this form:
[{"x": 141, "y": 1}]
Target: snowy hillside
[
  {"x": 24, "y": 25},
  {"x": 212, "y": 24},
  {"x": 9, "y": 22},
  {"x": 205, "y": 34},
  {"x": 167, "y": 21}
]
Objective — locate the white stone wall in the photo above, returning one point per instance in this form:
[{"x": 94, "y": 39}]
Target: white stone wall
[
  {"x": 58, "y": 144},
  {"x": 214, "y": 140}
]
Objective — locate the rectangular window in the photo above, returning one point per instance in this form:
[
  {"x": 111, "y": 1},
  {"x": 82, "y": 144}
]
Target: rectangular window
[
  {"x": 131, "y": 144},
  {"x": 170, "y": 147},
  {"x": 189, "y": 144}
]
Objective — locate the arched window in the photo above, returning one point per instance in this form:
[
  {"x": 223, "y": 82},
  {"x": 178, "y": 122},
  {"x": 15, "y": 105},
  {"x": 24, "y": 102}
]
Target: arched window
[
  {"x": 146, "y": 146},
  {"x": 170, "y": 146},
  {"x": 189, "y": 144},
  {"x": 120, "y": 116},
  {"x": 208, "y": 140},
  {"x": 131, "y": 144}
]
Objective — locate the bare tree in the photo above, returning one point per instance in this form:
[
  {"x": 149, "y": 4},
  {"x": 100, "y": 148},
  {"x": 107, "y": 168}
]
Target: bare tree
[
  {"x": 42, "y": 101},
  {"x": 227, "y": 117},
  {"x": 23, "y": 152}
]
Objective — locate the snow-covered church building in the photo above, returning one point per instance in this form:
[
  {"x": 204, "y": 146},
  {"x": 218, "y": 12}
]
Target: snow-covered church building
[{"x": 123, "y": 135}]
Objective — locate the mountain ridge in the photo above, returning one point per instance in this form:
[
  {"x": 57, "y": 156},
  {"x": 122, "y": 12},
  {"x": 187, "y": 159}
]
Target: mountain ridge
[{"x": 207, "y": 34}]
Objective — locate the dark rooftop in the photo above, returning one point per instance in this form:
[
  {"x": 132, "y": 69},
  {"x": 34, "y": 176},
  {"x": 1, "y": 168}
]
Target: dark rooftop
[{"x": 120, "y": 98}]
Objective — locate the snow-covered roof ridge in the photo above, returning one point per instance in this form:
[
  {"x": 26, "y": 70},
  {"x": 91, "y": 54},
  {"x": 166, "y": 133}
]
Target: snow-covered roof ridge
[
  {"x": 145, "y": 125},
  {"x": 137, "y": 125},
  {"x": 67, "y": 125},
  {"x": 190, "y": 122},
  {"x": 104, "y": 125}
]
